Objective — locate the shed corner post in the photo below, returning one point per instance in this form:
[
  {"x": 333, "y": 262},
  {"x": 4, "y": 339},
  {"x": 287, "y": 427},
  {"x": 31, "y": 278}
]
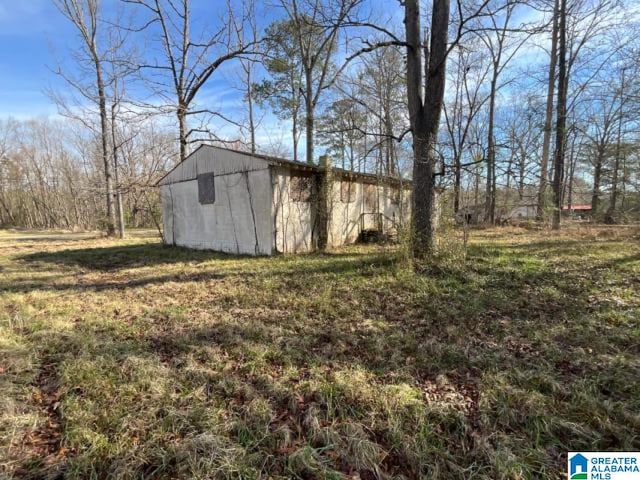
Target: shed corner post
[{"x": 275, "y": 206}]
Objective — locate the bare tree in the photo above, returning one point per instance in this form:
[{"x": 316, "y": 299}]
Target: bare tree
[
  {"x": 520, "y": 127},
  {"x": 424, "y": 114},
  {"x": 246, "y": 80},
  {"x": 369, "y": 117},
  {"x": 611, "y": 212},
  {"x": 460, "y": 117},
  {"x": 315, "y": 27},
  {"x": 382, "y": 93},
  {"x": 282, "y": 91},
  {"x": 590, "y": 49},
  {"x": 184, "y": 64},
  {"x": 502, "y": 48},
  {"x": 341, "y": 129},
  {"x": 548, "y": 119},
  {"x": 84, "y": 15},
  {"x": 250, "y": 101},
  {"x": 561, "y": 116}
]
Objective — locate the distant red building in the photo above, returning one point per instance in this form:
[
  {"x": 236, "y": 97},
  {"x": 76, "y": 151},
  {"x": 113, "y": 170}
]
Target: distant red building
[{"x": 578, "y": 208}]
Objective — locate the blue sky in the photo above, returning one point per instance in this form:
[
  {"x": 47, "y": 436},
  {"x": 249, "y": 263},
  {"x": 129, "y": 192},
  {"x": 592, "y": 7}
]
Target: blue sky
[
  {"x": 34, "y": 37},
  {"x": 29, "y": 32}
]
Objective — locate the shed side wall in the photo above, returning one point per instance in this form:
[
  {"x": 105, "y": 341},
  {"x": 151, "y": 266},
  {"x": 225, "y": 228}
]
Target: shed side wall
[
  {"x": 293, "y": 221},
  {"x": 238, "y": 222},
  {"x": 347, "y": 219}
]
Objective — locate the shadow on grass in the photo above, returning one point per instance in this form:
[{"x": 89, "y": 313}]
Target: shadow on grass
[
  {"x": 236, "y": 363},
  {"x": 110, "y": 260},
  {"x": 623, "y": 261},
  {"x": 521, "y": 348}
]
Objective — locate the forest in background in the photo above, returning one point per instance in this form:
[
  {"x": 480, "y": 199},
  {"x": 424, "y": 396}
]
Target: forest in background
[{"x": 332, "y": 76}]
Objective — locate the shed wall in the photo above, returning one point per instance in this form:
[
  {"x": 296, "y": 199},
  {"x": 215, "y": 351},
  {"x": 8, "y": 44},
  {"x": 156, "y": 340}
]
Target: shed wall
[
  {"x": 238, "y": 222},
  {"x": 254, "y": 212},
  {"x": 523, "y": 212},
  {"x": 293, "y": 221},
  {"x": 347, "y": 218}
]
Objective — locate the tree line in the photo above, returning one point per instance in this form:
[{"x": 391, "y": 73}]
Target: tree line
[{"x": 497, "y": 103}]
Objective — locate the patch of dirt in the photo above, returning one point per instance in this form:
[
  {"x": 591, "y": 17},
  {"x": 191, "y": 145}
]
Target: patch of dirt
[
  {"x": 43, "y": 445},
  {"x": 167, "y": 348},
  {"x": 568, "y": 368},
  {"x": 520, "y": 348},
  {"x": 458, "y": 394}
]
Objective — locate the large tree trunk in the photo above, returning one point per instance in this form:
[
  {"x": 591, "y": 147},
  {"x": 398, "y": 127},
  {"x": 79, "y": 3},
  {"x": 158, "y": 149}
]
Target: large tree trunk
[
  {"x": 610, "y": 217},
  {"x": 623, "y": 187},
  {"x": 294, "y": 129},
  {"x": 389, "y": 142},
  {"x": 597, "y": 178},
  {"x": 294, "y": 132},
  {"x": 456, "y": 122},
  {"x": 457, "y": 184},
  {"x": 548, "y": 118},
  {"x": 309, "y": 120},
  {"x": 522, "y": 165},
  {"x": 558, "y": 168},
  {"x": 114, "y": 149},
  {"x": 490, "y": 194},
  {"x": 102, "y": 102},
  {"x": 425, "y": 116},
  {"x": 182, "y": 129},
  {"x": 252, "y": 123},
  {"x": 572, "y": 171},
  {"x": 476, "y": 187}
]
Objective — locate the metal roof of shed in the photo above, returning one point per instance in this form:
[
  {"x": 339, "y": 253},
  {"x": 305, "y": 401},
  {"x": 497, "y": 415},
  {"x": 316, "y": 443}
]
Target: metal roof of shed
[{"x": 190, "y": 168}]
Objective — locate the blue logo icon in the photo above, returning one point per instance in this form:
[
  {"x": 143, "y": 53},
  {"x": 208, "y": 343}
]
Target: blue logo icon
[{"x": 578, "y": 467}]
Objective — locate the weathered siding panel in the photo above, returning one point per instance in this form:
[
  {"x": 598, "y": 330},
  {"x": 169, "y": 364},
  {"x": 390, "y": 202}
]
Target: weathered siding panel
[
  {"x": 395, "y": 207},
  {"x": 345, "y": 216},
  {"x": 522, "y": 212},
  {"x": 238, "y": 222},
  {"x": 293, "y": 221},
  {"x": 347, "y": 219},
  {"x": 166, "y": 200}
]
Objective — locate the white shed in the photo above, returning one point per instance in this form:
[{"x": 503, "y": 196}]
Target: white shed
[{"x": 239, "y": 202}]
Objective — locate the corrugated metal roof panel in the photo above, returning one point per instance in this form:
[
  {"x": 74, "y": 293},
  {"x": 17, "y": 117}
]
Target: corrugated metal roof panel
[{"x": 209, "y": 158}]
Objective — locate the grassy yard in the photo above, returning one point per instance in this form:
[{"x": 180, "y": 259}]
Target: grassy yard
[{"x": 124, "y": 359}]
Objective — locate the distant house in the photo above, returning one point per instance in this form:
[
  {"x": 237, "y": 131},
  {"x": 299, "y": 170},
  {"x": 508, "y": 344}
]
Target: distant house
[
  {"x": 239, "y": 202},
  {"x": 474, "y": 214},
  {"x": 580, "y": 210}
]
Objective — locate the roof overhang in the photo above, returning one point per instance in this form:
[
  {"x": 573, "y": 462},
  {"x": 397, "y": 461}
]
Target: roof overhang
[{"x": 306, "y": 167}]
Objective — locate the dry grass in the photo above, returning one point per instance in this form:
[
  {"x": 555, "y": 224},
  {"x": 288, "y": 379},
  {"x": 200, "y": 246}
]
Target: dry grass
[{"x": 130, "y": 360}]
